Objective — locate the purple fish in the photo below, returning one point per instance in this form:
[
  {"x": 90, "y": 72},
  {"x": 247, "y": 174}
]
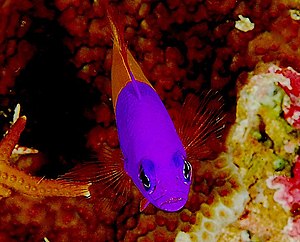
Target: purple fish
[{"x": 155, "y": 155}]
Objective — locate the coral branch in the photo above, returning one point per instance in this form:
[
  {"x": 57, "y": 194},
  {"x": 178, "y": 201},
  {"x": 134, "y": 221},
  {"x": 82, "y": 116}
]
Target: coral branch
[
  {"x": 9, "y": 141},
  {"x": 24, "y": 183}
]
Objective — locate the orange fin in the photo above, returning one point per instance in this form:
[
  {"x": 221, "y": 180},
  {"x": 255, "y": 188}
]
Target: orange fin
[
  {"x": 124, "y": 66},
  {"x": 9, "y": 141},
  {"x": 200, "y": 123},
  {"x": 144, "y": 204},
  {"x": 109, "y": 171}
]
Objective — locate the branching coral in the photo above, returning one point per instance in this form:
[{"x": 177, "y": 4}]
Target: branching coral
[{"x": 11, "y": 177}]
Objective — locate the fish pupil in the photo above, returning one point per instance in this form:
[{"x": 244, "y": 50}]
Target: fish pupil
[
  {"x": 187, "y": 170},
  {"x": 144, "y": 179}
]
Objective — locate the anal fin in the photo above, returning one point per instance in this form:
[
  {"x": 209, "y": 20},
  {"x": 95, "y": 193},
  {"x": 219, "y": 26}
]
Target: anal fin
[{"x": 144, "y": 204}]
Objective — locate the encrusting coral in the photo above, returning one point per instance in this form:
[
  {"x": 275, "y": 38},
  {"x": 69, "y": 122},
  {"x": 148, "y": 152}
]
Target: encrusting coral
[
  {"x": 182, "y": 48},
  {"x": 265, "y": 143}
]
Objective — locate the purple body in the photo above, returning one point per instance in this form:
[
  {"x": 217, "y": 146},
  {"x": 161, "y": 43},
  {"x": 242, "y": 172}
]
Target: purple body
[{"x": 154, "y": 156}]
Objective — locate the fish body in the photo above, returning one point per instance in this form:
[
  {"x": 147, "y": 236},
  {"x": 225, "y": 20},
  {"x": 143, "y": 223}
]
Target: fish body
[
  {"x": 155, "y": 153},
  {"x": 154, "y": 156}
]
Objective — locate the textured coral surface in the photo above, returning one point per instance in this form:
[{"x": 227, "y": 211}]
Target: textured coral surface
[
  {"x": 265, "y": 147},
  {"x": 55, "y": 59}
]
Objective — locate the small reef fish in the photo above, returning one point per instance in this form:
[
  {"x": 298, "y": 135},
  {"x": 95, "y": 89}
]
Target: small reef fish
[{"x": 154, "y": 155}]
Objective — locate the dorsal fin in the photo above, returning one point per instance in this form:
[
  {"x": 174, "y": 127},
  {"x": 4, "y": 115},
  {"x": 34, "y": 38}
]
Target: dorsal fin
[
  {"x": 118, "y": 35},
  {"x": 121, "y": 48},
  {"x": 124, "y": 67}
]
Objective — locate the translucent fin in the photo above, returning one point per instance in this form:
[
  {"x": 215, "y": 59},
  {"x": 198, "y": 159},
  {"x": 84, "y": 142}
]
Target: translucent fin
[
  {"x": 117, "y": 33},
  {"x": 201, "y": 121},
  {"x": 109, "y": 172}
]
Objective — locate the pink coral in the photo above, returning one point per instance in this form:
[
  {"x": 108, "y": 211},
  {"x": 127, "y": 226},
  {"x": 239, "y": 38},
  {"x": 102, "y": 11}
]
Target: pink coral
[
  {"x": 288, "y": 195},
  {"x": 291, "y": 86},
  {"x": 293, "y": 227},
  {"x": 288, "y": 192}
]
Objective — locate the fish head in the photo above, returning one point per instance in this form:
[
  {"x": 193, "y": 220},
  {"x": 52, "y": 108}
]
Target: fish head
[{"x": 165, "y": 182}]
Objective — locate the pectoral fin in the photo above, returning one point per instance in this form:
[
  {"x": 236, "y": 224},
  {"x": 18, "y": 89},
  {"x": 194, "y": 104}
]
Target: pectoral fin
[
  {"x": 200, "y": 124},
  {"x": 108, "y": 172}
]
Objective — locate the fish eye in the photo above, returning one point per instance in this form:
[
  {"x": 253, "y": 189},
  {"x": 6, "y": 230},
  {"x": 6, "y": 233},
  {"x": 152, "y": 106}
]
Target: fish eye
[
  {"x": 147, "y": 175},
  {"x": 144, "y": 179},
  {"x": 187, "y": 171}
]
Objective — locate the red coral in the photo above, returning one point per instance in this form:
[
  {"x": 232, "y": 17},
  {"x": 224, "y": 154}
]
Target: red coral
[
  {"x": 291, "y": 86},
  {"x": 220, "y": 7},
  {"x": 14, "y": 55}
]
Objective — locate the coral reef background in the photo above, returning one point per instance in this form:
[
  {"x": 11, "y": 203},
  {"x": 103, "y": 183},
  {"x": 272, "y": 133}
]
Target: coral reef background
[{"x": 55, "y": 60}]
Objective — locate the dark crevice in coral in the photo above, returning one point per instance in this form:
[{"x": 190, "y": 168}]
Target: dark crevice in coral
[{"x": 53, "y": 99}]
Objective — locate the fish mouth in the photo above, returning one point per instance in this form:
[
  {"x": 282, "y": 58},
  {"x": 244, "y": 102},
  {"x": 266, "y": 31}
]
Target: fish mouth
[
  {"x": 172, "y": 200},
  {"x": 173, "y": 203}
]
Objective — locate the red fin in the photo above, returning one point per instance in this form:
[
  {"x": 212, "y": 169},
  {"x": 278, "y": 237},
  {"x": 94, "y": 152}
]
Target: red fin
[
  {"x": 200, "y": 123},
  {"x": 109, "y": 171},
  {"x": 143, "y": 204}
]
